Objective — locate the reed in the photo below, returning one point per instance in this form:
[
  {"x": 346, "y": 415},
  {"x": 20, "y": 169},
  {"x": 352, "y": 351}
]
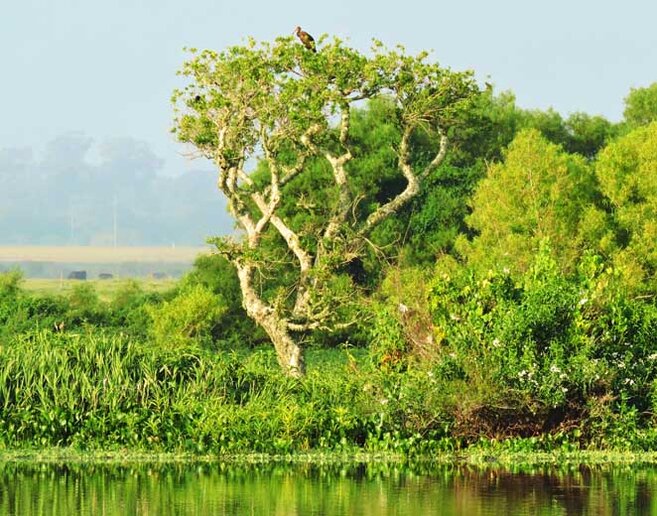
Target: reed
[{"x": 95, "y": 391}]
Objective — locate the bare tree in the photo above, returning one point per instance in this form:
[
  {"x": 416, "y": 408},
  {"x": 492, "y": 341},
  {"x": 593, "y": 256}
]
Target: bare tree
[{"x": 287, "y": 107}]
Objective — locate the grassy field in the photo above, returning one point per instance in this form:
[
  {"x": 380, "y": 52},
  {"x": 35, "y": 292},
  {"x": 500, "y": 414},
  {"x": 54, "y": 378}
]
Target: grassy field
[
  {"x": 89, "y": 254},
  {"x": 106, "y": 288}
]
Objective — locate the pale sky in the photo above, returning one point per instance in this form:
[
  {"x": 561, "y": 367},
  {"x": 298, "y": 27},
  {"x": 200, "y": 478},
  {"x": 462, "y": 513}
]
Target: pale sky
[{"x": 107, "y": 68}]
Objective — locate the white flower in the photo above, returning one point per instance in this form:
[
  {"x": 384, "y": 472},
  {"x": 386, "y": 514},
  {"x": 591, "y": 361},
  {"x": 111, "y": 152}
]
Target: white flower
[
  {"x": 554, "y": 369},
  {"x": 496, "y": 343},
  {"x": 583, "y": 301}
]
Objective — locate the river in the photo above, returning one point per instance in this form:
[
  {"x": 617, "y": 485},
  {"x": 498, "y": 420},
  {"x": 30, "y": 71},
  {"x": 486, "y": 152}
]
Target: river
[{"x": 354, "y": 489}]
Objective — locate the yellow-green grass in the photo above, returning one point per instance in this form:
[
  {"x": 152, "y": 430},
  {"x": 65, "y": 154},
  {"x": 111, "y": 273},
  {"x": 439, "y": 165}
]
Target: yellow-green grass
[
  {"x": 105, "y": 255},
  {"x": 106, "y": 289}
]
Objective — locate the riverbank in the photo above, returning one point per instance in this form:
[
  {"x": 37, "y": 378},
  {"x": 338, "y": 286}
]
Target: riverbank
[
  {"x": 469, "y": 457},
  {"x": 87, "y": 391}
]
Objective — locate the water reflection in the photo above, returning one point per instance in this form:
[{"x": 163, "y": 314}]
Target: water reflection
[{"x": 155, "y": 489}]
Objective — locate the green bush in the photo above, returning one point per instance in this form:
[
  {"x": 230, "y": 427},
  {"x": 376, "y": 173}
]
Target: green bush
[
  {"x": 218, "y": 275},
  {"x": 21, "y": 312},
  {"x": 10, "y": 292},
  {"x": 30, "y": 313},
  {"x": 85, "y": 306},
  {"x": 388, "y": 344},
  {"x": 128, "y": 309},
  {"x": 187, "y": 319},
  {"x": 10, "y": 283},
  {"x": 543, "y": 348}
]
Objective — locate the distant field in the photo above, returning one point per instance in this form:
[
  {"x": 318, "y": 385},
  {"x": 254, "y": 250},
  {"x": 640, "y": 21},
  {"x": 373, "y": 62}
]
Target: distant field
[
  {"x": 105, "y": 255},
  {"x": 106, "y": 289}
]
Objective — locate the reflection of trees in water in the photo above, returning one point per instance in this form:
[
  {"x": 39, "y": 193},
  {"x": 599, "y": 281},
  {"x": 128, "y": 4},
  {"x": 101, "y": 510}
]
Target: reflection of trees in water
[
  {"x": 214, "y": 488},
  {"x": 579, "y": 490}
]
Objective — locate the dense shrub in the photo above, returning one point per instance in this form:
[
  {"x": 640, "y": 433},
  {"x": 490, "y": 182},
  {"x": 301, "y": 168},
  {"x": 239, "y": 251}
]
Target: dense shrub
[
  {"x": 10, "y": 284},
  {"x": 539, "y": 352},
  {"x": 188, "y": 318},
  {"x": 388, "y": 345},
  {"x": 128, "y": 309},
  {"x": 20, "y": 312},
  {"x": 85, "y": 306},
  {"x": 218, "y": 275}
]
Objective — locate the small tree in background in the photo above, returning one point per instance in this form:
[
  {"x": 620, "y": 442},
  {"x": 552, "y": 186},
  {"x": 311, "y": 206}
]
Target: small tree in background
[
  {"x": 291, "y": 109},
  {"x": 538, "y": 192},
  {"x": 641, "y": 106},
  {"x": 626, "y": 172}
]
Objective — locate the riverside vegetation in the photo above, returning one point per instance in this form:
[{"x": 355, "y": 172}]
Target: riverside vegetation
[
  {"x": 511, "y": 300},
  {"x": 534, "y": 365}
]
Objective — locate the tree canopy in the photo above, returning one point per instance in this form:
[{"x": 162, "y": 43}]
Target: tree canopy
[
  {"x": 641, "y": 106},
  {"x": 626, "y": 172},
  {"x": 292, "y": 110},
  {"x": 538, "y": 192}
]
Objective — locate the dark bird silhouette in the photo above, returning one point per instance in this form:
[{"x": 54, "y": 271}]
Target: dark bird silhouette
[{"x": 307, "y": 40}]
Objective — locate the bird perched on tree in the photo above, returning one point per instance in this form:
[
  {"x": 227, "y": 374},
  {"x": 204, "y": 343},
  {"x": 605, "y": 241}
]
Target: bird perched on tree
[{"x": 307, "y": 40}]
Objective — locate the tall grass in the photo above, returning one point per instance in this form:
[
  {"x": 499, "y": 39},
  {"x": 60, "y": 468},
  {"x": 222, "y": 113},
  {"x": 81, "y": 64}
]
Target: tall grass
[
  {"x": 95, "y": 391},
  {"x": 90, "y": 390}
]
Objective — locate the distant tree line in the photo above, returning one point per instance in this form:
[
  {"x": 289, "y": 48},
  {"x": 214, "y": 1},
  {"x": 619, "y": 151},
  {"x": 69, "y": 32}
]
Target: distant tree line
[{"x": 62, "y": 198}]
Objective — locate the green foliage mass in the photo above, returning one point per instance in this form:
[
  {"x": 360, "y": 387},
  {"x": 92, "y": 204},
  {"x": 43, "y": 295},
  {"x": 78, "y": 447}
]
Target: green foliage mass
[
  {"x": 10, "y": 283},
  {"x": 187, "y": 319},
  {"x": 641, "y": 106},
  {"x": 216, "y": 274},
  {"x": 626, "y": 173},
  {"x": 547, "y": 349},
  {"x": 432, "y": 224},
  {"x": 539, "y": 191}
]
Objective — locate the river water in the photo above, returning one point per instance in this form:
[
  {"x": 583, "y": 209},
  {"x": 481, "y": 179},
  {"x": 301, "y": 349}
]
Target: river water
[{"x": 279, "y": 489}]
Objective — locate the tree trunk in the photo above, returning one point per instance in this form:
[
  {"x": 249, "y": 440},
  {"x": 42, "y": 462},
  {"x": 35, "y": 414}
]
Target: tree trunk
[{"x": 288, "y": 352}]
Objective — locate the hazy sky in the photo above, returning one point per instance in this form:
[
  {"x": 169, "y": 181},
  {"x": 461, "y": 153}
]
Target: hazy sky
[{"x": 107, "y": 68}]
